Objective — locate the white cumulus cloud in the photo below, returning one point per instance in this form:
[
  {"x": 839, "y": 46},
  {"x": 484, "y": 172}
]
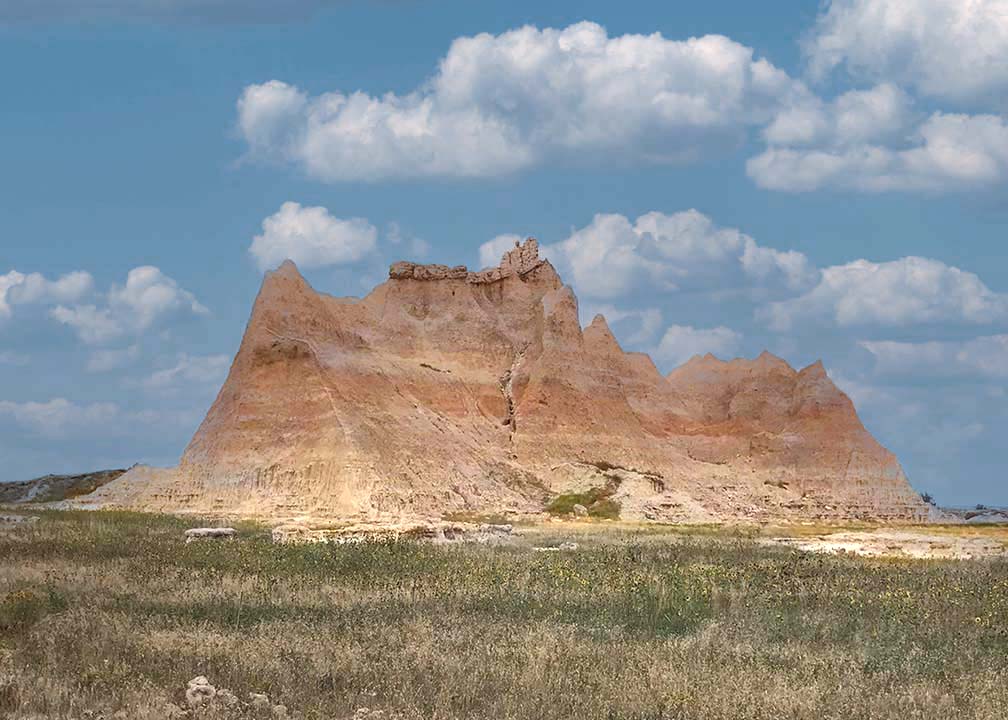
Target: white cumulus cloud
[
  {"x": 909, "y": 291},
  {"x": 681, "y": 342},
  {"x": 852, "y": 118},
  {"x": 92, "y": 324},
  {"x": 951, "y": 49},
  {"x": 944, "y": 152},
  {"x": 34, "y": 288},
  {"x": 501, "y": 103},
  {"x": 983, "y": 357},
  {"x": 613, "y": 257},
  {"x": 311, "y": 237},
  {"x": 148, "y": 296}
]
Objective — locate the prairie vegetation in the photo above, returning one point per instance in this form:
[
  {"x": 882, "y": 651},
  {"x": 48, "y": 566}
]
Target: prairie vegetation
[
  {"x": 598, "y": 503},
  {"x": 105, "y": 613}
]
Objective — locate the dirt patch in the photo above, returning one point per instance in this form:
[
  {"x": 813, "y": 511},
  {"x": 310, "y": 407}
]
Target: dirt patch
[
  {"x": 900, "y": 543},
  {"x": 433, "y": 532}
]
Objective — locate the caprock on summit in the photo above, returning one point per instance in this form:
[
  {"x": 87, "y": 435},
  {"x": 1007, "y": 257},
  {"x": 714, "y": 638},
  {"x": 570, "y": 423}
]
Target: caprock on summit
[{"x": 445, "y": 390}]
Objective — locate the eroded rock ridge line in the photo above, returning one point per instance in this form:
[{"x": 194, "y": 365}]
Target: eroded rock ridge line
[{"x": 446, "y": 390}]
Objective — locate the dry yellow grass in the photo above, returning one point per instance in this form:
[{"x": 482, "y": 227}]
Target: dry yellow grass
[{"x": 111, "y": 613}]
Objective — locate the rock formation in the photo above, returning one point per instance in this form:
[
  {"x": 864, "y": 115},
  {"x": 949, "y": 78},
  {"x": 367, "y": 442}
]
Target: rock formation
[
  {"x": 446, "y": 390},
  {"x": 53, "y": 488}
]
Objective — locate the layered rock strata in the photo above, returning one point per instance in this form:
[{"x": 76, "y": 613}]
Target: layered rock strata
[{"x": 446, "y": 390}]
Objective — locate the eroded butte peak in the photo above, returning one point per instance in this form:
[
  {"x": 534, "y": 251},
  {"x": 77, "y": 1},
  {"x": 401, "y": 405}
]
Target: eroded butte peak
[
  {"x": 447, "y": 390},
  {"x": 520, "y": 261}
]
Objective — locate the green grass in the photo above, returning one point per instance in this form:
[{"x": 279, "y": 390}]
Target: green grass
[
  {"x": 597, "y": 501},
  {"x": 112, "y": 612}
]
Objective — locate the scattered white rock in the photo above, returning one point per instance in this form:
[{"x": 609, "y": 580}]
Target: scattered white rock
[
  {"x": 194, "y": 534},
  {"x": 226, "y": 697},
  {"x": 199, "y": 692},
  {"x": 896, "y": 543},
  {"x": 206, "y": 701},
  {"x": 368, "y": 714},
  {"x": 296, "y": 534},
  {"x": 18, "y": 518},
  {"x": 580, "y": 510},
  {"x": 564, "y": 546},
  {"x": 436, "y": 532},
  {"x": 259, "y": 701}
]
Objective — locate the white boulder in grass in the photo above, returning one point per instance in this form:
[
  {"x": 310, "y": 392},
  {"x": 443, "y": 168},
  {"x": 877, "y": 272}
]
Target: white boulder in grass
[
  {"x": 194, "y": 534},
  {"x": 199, "y": 691}
]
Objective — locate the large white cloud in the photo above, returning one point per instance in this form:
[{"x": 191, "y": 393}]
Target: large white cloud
[
  {"x": 613, "y": 256},
  {"x": 944, "y": 152},
  {"x": 92, "y": 324},
  {"x": 20, "y": 289},
  {"x": 952, "y": 49},
  {"x": 500, "y": 103},
  {"x": 311, "y": 237},
  {"x": 909, "y": 291},
  {"x": 681, "y": 342},
  {"x": 148, "y": 296},
  {"x": 983, "y": 357},
  {"x": 851, "y": 119}
]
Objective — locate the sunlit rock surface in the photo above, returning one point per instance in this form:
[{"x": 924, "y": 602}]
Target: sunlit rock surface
[{"x": 446, "y": 390}]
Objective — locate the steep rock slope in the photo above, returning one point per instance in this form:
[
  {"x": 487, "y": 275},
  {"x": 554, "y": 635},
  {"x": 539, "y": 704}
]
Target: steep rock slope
[{"x": 446, "y": 390}]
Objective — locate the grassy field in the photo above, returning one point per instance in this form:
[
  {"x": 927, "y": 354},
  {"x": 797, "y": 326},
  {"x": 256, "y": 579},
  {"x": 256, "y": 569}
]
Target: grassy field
[{"x": 105, "y": 613}]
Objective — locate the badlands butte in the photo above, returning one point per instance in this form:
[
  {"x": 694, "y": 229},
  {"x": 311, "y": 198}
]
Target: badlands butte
[{"x": 447, "y": 391}]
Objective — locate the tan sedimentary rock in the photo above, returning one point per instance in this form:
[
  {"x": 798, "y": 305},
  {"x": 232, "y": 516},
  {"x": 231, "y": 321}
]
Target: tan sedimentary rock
[{"x": 447, "y": 390}]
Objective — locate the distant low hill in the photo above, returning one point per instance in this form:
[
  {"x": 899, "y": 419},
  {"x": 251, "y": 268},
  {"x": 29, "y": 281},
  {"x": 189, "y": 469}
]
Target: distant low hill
[
  {"x": 981, "y": 515},
  {"x": 51, "y": 488}
]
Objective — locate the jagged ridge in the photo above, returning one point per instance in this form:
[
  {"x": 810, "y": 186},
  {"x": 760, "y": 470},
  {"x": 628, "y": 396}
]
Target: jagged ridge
[{"x": 445, "y": 389}]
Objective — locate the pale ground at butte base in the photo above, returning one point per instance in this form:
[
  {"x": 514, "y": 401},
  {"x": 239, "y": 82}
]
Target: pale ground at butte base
[{"x": 894, "y": 541}]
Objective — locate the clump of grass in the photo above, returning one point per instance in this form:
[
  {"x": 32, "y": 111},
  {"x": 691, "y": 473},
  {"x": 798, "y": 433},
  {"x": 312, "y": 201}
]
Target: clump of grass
[
  {"x": 598, "y": 501},
  {"x": 466, "y": 516},
  {"x": 21, "y": 608}
]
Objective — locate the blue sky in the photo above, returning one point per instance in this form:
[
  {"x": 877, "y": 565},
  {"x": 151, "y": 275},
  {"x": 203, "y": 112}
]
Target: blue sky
[{"x": 726, "y": 176}]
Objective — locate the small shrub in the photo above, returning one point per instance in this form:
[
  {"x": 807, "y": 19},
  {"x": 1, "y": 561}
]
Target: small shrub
[
  {"x": 23, "y": 608},
  {"x": 597, "y": 500}
]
